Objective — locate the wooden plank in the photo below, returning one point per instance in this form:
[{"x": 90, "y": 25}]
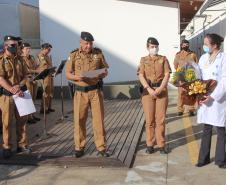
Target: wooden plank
[
  {"x": 122, "y": 140},
  {"x": 129, "y": 159},
  {"x": 112, "y": 116},
  {"x": 114, "y": 122},
  {"x": 128, "y": 140},
  {"x": 118, "y": 132}
]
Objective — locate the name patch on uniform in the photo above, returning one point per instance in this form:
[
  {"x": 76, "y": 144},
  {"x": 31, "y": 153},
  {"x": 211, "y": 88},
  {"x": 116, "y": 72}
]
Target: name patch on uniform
[{"x": 161, "y": 61}]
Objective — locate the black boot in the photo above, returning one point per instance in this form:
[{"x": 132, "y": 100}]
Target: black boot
[
  {"x": 180, "y": 113},
  {"x": 26, "y": 150},
  {"x": 79, "y": 153},
  {"x": 103, "y": 153},
  {"x": 6, "y": 153},
  {"x": 150, "y": 150},
  {"x": 31, "y": 121},
  {"x": 191, "y": 114},
  {"x": 51, "y": 110}
]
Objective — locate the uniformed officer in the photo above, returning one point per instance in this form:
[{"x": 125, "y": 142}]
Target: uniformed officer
[
  {"x": 45, "y": 62},
  {"x": 1, "y": 54},
  {"x": 88, "y": 93},
  {"x": 32, "y": 68},
  {"x": 154, "y": 73},
  {"x": 181, "y": 58},
  {"x": 13, "y": 76}
]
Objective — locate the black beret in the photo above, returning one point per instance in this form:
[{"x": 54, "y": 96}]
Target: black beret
[
  {"x": 10, "y": 37},
  {"x": 46, "y": 45},
  {"x": 19, "y": 39},
  {"x": 152, "y": 40},
  {"x": 24, "y": 45},
  {"x": 184, "y": 42},
  {"x": 87, "y": 36}
]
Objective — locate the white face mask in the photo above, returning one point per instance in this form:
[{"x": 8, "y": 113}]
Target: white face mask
[{"x": 153, "y": 51}]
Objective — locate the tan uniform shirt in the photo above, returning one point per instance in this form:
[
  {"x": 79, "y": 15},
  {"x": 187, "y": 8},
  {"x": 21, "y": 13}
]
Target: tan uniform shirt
[
  {"x": 45, "y": 61},
  {"x": 154, "y": 68},
  {"x": 30, "y": 63},
  {"x": 12, "y": 69},
  {"x": 79, "y": 62},
  {"x": 184, "y": 56}
]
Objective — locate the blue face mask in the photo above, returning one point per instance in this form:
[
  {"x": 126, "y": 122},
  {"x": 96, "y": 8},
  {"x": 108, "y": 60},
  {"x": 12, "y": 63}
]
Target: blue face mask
[{"x": 206, "y": 49}]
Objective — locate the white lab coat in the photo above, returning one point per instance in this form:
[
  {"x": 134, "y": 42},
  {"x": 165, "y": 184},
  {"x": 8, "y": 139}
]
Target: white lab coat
[{"x": 214, "y": 112}]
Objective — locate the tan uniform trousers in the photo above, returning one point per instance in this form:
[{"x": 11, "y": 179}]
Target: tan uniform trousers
[
  {"x": 82, "y": 102},
  {"x": 48, "y": 84},
  {"x": 180, "y": 104},
  {"x": 155, "y": 114},
  {"x": 8, "y": 111}
]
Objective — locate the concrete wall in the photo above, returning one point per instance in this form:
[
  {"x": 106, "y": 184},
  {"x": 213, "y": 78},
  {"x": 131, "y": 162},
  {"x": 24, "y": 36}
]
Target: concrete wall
[
  {"x": 10, "y": 16},
  {"x": 217, "y": 26},
  {"x": 120, "y": 29}
]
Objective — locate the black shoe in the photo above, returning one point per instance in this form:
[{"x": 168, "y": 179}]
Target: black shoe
[
  {"x": 199, "y": 164},
  {"x": 31, "y": 121},
  {"x": 103, "y": 153},
  {"x": 51, "y": 110},
  {"x": 180, "y": 113},
  {"x": 191, "y": 114},
  {"x": 42, "y": 112},
  {"x": 150, "y": 150},
  {"x": 222, "y": 166},
  {"x": 36, "y": 119},
  {"x": 163, "y": 150},
  {"x": 26, "y": 150},
  {"x": 79, "y": 153},
  {"x": 6, "y": 153}
]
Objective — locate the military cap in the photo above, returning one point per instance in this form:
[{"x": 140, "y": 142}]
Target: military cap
[
  {"x": 19, "y": 39},
  {"x": 184, "y": 41},
  {"x": 46, "y": 45},
  {"x": 152, "y": 40},
  {"x": 10, "y": 37},
  {"x": 24, "y": 45},
  {"x": 87, "y": 36}
]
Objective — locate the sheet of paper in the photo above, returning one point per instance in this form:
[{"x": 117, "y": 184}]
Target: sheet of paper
[
  {"x": 24, "y": 105},
  {"x": 93, "y": 73}
]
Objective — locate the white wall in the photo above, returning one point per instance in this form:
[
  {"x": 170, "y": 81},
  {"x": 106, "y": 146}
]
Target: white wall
[
  {"x": 120, "y": 29},
  {"x": 218, "y": 26}
]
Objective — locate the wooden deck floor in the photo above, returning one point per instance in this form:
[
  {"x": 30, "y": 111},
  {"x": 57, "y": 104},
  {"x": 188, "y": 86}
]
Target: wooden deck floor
[{"x": 123, "y": 124}]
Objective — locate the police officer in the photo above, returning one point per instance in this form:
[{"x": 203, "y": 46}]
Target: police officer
[
  {"x": 45, "y": 62},
  {"x": 13, "y": 76},
  {"x": 180, "y": 59},
  {"x": 32, "y": 69},
  {"x": 88, "y": 93},
  {"x": 1, "y": 54},
  {"x": 154, "y": 72}
]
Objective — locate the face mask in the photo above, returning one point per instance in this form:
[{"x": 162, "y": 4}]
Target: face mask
[
  {"x": 153, "y": 51},
  {"x": 12, "y": 49},
  {"x": 206, "y": 49}
]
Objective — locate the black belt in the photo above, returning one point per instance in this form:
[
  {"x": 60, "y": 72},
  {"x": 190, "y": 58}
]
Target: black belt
[
  {"x": 7, "y": 93},
  {"x": 88, "y": 88},
  {"x": 155, "y": 84}
]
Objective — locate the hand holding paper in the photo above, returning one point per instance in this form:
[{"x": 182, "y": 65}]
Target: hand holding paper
[{"x": 93, "y": 73}]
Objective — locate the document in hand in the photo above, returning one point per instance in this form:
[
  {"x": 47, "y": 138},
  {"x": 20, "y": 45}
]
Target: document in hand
[
  {"x": 24, "y": 105},
  {"x": 93, "y": 73}
]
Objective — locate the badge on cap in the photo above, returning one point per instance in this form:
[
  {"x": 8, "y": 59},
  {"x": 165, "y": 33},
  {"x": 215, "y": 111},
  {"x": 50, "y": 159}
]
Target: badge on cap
[{"x": 161, "y": 61}]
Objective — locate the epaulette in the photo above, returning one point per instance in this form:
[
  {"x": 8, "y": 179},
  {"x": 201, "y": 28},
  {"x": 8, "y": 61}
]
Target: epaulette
[
  {"x": 97, "y": 50},
  {"x": 75, "y": 50}
]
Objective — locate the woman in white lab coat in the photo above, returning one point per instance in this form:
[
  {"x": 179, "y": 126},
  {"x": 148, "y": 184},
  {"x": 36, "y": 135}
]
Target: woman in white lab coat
[{"x": 212, "y": 111}]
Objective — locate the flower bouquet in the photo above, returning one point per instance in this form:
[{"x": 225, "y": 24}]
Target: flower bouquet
[{"x": 188, "y": 78}]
